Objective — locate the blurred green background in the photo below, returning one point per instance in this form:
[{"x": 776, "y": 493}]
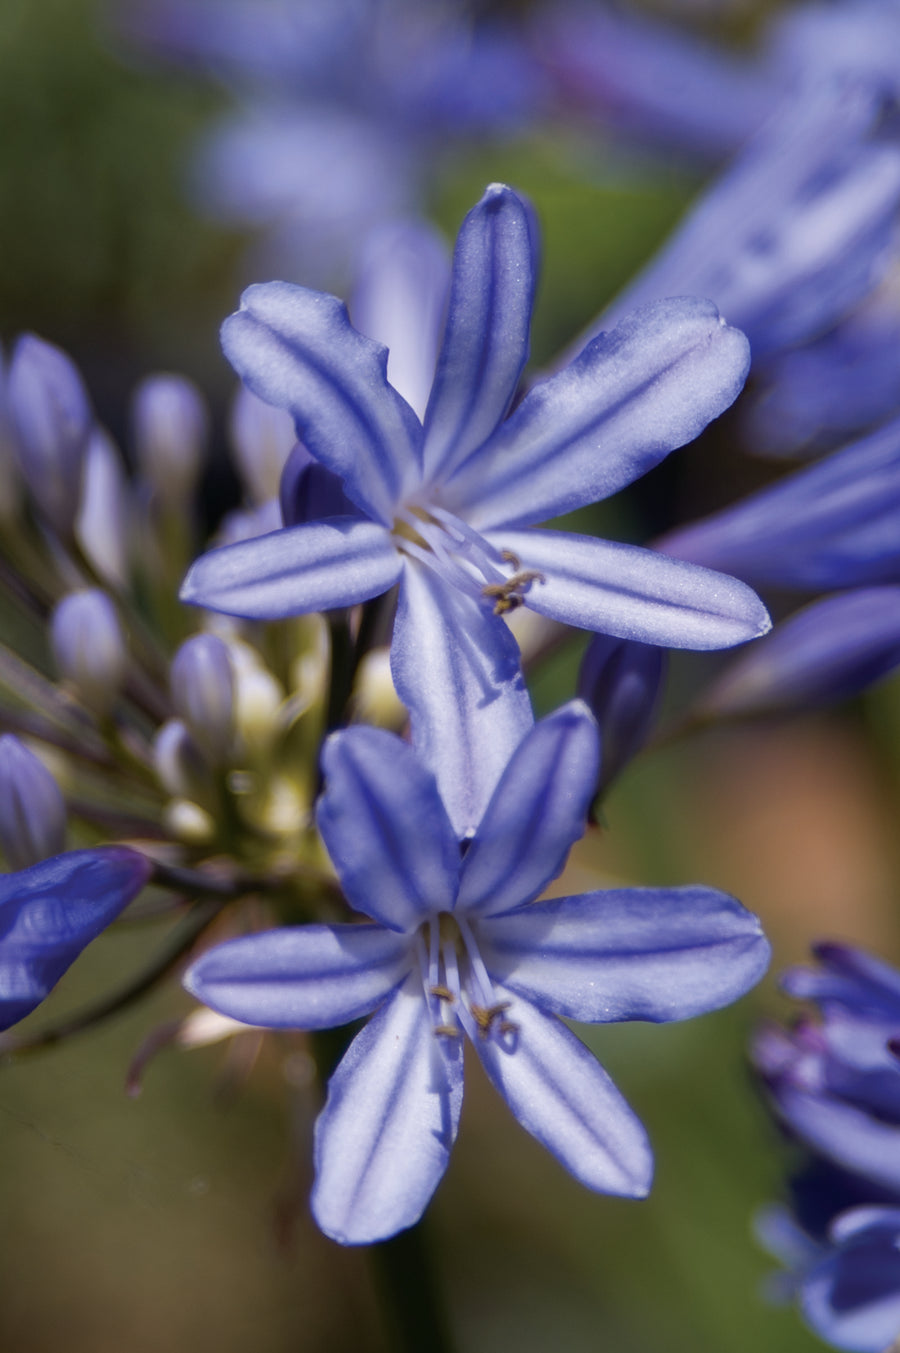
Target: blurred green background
[{"x": 178, "y": 1220}]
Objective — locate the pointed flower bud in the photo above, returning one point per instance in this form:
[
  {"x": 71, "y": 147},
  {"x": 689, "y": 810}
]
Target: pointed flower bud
[
  {"x": 829, "y": 651},
  {"x": 104, "y": 522},
  {"x": 180, "y": 764},
  {"x": 89, "y": 647},
  {"x": 261, "y": 437},
  {"x": 621, "y": 681},
  {"x": 32, "y": 809},
  {"x": 170, "y": 431},
  {"x": 52, "y": 911},
  {"x": 52, "y": 420},
  {"x": 202, "y": 683}
]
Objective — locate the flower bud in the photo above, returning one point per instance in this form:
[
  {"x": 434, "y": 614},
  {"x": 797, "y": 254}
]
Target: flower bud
[
  {"x": 89, "y": 647},
  {"x": 32, "y": 809},
  {"x": 104, "y": 522},
  {"x": 621, "y": 681},
  {"x": 179, "y": 763},
  {"x": 828, "y": 651},
  {"x": 262, "y": 437},
  {"x": 170, "y": 430},
  {"x": 309, "y": 492},
  {"x": 51, "y": 417},
  {"x": 202, "y": 684}
]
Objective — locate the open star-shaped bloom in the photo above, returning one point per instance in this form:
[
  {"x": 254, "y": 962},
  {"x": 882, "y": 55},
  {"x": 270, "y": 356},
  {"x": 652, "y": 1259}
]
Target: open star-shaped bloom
[
  {"x": 448, "y": 509},
  {"x": 457, "y": 945}
]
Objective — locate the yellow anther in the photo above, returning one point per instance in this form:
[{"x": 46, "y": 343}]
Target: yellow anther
[
  {"x": 446, "y": 1030},
  {"x": 484, "y": 1016},
  {"x": 509, "y": 595},
  {"x": 443, "y": 993}
]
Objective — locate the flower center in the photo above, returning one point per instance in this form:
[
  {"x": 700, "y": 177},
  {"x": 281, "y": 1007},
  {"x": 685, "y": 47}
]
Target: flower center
[
  {"x": 458, "y": 988},
  {"x": 445, "y": 544}
]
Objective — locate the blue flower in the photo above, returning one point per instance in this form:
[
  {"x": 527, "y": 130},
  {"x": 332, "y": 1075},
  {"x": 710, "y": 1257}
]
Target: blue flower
[
  {"x": 834, "y": 1083},
  {"x": 457, "y": 945},
  {"x": 448, "y": 510},
  {"x": 52, "y": 911}
]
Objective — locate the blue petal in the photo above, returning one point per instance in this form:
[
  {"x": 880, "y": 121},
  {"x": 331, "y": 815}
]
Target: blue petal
[
  {"x": 633, "y": 593},
  {"x": 296, "y": 349},
  {"x": 537, "y": 813},
  {"x": 386, "y": 829},
  {"x": 842, "y": 1133},
  {"x": 456, "y": 668},
  {"x": 829, "y": 651},
  {"x": 314, "y": 567},
  {"x": 635, "y": 953},
  {"x": 564, "y": 1098},
  {"x": 832, "y": 524},
  {"x": 486, "y": 341},
  {"x": 797, "y": 231},
  {"x": 52, "y": 911},
  {"x": 305, "y": 977},
  {"x": 631, "y": 397},
  {"x": 384, "y": 1137},
  {"x": 852, "y": 1298},
  {"x": 399, "y": 300}
]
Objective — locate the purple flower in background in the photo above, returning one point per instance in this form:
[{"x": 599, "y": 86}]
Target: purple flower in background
[
  {"x": 834, "y": 1084},
  {"x": 661, "y": 86},
  {"x": 799, "y": 228},
  {"x": 52, "y": 911},
  {"x": 457, "y": 945},
  {"x": 448, "y": 510},
  {"x": 826, "y": 652},
  {"x": 809, "y": 399},
  {"x": 347, "y": 110},
  {"x": 832, "y": 524}
]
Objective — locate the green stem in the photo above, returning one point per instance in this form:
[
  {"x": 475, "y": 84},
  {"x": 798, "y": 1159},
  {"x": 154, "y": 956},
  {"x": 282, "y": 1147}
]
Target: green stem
[
  {"x": 402, "y": 1267},
  {"x": 408, "y": 1291}
]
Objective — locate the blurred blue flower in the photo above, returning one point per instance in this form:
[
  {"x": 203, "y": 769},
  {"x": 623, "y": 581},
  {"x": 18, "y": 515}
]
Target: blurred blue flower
[
  {"x": 347, "y": 109},
  {"x": 446, "y": 511},
  {"x": 834, "y": 524},
  {"x": 834, "y": 1084},
  {"x": 828, "y": 651},
  {"x": 458, "y": 945},
  {"x": 52, "y": 911}
]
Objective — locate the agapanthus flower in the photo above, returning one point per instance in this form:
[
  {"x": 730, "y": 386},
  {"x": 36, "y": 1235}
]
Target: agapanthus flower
[
  {"x": 448, "y": 510},
  {"x": 458, "y": 945},
  {"x": 834, "y": 1084}
]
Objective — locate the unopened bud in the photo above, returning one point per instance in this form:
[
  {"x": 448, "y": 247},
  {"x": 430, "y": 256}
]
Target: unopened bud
[
  {"x": 104, "y": 523},
  {"x": 52, "y": 420},
  {"x": 89, "y": 647},
  {"x": 32, "y": 809},
  {"x": 262, "y": 437},
  {"x": 182, "y": 769},
  {"x": 202, "y": 684},
  {"x": 170, "y": 431},
  {"x": 621, "y": 681}
]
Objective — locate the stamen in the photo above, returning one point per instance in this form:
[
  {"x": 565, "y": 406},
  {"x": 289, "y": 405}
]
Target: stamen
[
  {"x": 486, "y": 1015},
  {"x": 510, "y": 594}
]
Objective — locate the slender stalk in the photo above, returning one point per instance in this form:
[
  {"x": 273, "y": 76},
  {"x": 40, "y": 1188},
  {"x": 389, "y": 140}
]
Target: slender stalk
[{"x": 404, "y": 1275}]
